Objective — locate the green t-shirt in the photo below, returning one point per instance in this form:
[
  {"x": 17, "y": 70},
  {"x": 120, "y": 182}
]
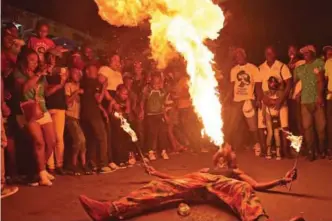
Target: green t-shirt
[
  {"x": 307, "y": 74},
  {"x": 31, "y": 94}
]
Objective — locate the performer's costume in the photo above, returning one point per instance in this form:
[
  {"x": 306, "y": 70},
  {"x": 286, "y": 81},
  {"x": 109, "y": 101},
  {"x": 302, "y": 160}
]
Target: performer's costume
[{"x": 197, "y": 187}]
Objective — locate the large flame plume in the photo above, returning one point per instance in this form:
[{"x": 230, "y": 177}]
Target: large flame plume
[{"x": 179, "y": 27}]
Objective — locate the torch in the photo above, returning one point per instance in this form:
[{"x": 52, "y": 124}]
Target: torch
[
  {"x": 126, "y": 127},
  {"x": 296, "y": 143}
]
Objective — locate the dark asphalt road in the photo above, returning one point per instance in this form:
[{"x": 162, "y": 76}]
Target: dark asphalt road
[{"x": 311, "y": 195}]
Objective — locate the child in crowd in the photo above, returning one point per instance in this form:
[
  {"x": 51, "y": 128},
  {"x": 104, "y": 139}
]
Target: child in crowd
[
  {"x": 152, "y": 110},
  {"x": 73, "y": 93},
  {"x": 272, "y": 119},
  {"x": 41, "y": 43},
  {"x": 171, "y": 117},
  {"x": 121, "y": 142},
  {"x": 92, "y": 121}
]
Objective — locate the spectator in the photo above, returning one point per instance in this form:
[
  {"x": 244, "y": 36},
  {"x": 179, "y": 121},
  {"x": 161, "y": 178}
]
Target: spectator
[
  {"x": 56, "y": 104},
  {"x": 294, "y": 103},
  {"x": 9, "y": 54},
  {"x": 5, "y": 190},
  {"x": 273, "y": 69},
  {"x": 41, "y": 43},
  {"x": 92, "y": 121},
  {"x": 311, "y": 75},
  {"x": 39, "y": 122},
  {"x": 123, "y": 148},
  {"x": 113, "y": 73},
  {"x": 171, "y": 117},
  {"x": 152, "y": 109},
  {"x": 138, "y": 83},
  {"x": 73, "y": 92},
  {"x": 189, "y": 123},
  {"x": 75, "y": 61},
  {"x": 244, "y": 76},
  {"x": 328, "y": 75},
  {"x": 89, "y": 56}
]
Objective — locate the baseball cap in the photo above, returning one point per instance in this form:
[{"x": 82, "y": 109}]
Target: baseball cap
[
  {"x": 327, "y": 47},
  {"x": 308, "y": 48}
]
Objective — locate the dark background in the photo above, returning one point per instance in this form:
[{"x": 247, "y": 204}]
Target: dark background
[{"x": 256, "y": 23}]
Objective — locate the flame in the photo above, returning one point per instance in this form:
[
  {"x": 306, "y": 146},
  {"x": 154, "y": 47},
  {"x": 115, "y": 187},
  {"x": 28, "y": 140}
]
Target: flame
[
  {"x": 179, "y": 27},
  {"x": 296, "y": 141},
  {"x": 126, "y": 126}
]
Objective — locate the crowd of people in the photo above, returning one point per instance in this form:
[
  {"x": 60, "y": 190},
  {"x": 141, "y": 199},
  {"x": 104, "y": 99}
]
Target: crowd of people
[{"x": 58, "y": 107}]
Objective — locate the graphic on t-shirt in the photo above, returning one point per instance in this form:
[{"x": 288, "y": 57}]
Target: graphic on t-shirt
[
  {"x": 243, "y": 78},
  {"x": 243, "y": 83},
  {"x": 41, "y": 48}
]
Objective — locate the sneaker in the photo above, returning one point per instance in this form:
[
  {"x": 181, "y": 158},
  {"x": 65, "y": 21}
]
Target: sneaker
[
  {"x": 74, "y": 171},
  {"x": 50, "y": 176},
  {"x": 257, "y": 149},
  {"x": 97, "y": 211},
  {"x": 123, "y": 166},
  {"x": 164, "y": 155},
  {"x": 113, "y": 166},
  {"x": 152, "y": 155},
  {"x": 105, "y": 170},
  {"x": 33, "y": 181},
  {"x": 87, "y": 170},
  {"x": 43, "y": 179},
  {"x": 8, "y": 191},
  {"x": 60, "y": 171}
]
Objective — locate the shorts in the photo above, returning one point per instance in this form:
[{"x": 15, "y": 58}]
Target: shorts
[
  {"x": 283, "y": 114},
  {"x": 237, "y": 110},
  {"x": 44, "y": 120}
]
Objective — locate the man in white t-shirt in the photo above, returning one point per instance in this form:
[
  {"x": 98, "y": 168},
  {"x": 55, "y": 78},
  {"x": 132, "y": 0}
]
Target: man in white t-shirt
[
  {"x": 280, "y": 71},
  {"x": 328, "y": 75},
  {"x": 112, "y": 73},
  {"x": 244, "y": 76}
]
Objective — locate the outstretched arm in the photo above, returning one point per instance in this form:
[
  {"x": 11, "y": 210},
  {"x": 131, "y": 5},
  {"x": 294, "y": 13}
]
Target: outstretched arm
[
  {"x": 260, "y": 186},
  {"x": 152, "y": 171}
]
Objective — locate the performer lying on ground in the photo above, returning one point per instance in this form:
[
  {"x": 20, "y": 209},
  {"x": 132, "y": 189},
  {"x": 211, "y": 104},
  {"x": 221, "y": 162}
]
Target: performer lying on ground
[{"x": 231, "y": 186}]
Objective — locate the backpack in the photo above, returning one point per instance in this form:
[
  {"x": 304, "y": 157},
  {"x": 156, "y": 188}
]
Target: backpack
[{"x": 155, "y": 102}]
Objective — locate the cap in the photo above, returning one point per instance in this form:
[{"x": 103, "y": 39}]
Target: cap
[
  {"x": 308, "y": 48},
  {"x": 327, "y": 47},
  {"x": 55, "y": 51}
]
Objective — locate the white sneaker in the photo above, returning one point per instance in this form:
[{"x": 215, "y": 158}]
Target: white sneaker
[
  {"x": 164, "y": 155},
  {"x": 113, "y": 166},
  {"x": 257, "y": 149},
  {"x": 152, "y": 155}
]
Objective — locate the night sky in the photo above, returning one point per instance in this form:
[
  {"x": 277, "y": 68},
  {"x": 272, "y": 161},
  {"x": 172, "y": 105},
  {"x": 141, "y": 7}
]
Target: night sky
[{"x": 256, "y": 24}]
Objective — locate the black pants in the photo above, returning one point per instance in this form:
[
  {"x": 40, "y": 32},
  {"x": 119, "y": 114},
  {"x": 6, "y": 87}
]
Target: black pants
[
  {"x": 96, "y": 136},
  {"x": 121, "y": 142},
  {"x": 155, "y": 133},
  {"x": 295, "y": 117},
  {"x": 191, "y": 127}
]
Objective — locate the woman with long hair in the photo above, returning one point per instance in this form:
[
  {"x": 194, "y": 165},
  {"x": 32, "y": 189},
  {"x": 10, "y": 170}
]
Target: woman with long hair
[{"x": 30, "y": 80}]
